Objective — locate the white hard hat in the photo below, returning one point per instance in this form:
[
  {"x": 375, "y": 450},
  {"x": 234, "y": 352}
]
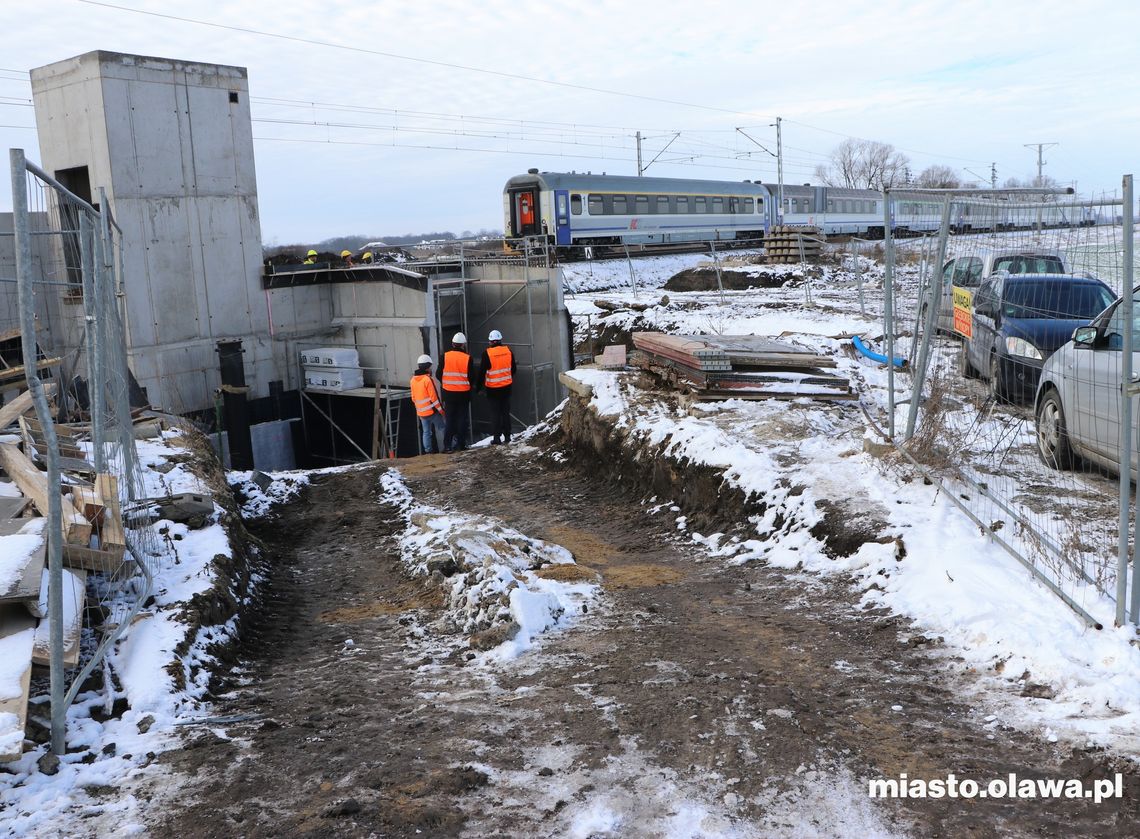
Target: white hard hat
[
  {"x": 424, "y": 359},
  {"x": 495, "y": 335},
  {"x": 459, "y": 338}
]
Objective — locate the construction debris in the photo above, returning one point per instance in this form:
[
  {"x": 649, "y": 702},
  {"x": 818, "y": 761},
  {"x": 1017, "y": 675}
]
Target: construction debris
[
  {"x": 613, "y": 357},
  {"x": 711, "y": 367}
]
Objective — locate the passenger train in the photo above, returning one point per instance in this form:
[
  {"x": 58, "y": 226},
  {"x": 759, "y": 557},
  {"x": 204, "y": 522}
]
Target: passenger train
[{"x": 571, "y": 210}]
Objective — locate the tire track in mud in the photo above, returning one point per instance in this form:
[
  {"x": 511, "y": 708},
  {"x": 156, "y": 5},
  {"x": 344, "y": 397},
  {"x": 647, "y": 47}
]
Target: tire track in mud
[
  {"x": 753, "y": 698},
  {"x": 737, "y": 679}
]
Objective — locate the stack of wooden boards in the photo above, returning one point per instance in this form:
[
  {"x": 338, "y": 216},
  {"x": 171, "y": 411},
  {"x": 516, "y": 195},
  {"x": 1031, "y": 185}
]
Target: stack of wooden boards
[
  {"x": 92, "y": 537},
  {"x": 789, "y": 245},
  {"x": 711, "y": 367}
]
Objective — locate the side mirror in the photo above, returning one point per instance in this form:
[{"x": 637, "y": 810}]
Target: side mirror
[{"x": 1086, "y": 336}]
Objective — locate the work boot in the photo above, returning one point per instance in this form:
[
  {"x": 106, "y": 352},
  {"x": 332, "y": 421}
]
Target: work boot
[{"x": 495, "y": 441}]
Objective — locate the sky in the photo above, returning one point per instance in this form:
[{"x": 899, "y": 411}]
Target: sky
[{"x": 387, "y": 118}]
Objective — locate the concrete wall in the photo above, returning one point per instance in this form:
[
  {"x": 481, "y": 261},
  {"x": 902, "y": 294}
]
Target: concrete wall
[
  {"x": 386, "y": 323},
  {"x": 534, "y": 327},
  {"x": 171, "y": 142}
]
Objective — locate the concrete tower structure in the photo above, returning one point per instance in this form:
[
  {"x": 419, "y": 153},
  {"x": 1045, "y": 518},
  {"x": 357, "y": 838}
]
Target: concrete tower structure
[{"x": 170, "y": 142}]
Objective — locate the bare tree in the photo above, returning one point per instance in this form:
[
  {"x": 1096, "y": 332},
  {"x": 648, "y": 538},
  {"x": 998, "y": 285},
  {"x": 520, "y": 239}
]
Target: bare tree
[
  {"x": 864, "y": 164},
  {"x": 938, "y": 177}
]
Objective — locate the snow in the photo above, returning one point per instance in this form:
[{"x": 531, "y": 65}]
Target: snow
[
  {"x": 953, "y": 581},
  {"x": 15, "y": 655},
  {"x": 492, "y": 577},
  {"x": 15, "y": 550}
]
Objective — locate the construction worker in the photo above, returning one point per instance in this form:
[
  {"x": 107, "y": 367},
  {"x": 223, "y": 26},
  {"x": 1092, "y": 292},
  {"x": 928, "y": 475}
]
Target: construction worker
[
  {"x": 426, "y": 399},
  {"x": 458, "y": 375},
  {"x": 346, "y": 258},
  {"x": 367, "y": 258},
  {"x": 311, "y": 257},
  {"x": 497, "y": 372}
]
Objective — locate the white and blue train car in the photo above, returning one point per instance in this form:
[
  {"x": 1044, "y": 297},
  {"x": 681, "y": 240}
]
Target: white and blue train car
[
  {"x": 612, "y": 210},
  {"x": 834, "y": 210}
]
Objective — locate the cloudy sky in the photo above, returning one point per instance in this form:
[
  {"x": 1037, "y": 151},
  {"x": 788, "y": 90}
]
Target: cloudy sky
[{"x": 391, "y": 117}]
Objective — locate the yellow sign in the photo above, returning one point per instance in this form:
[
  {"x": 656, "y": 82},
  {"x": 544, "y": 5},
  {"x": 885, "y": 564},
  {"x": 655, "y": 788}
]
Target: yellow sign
[{"x": 963, "y": 311}]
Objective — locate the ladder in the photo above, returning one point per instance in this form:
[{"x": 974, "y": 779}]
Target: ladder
[{"x": 385, "y": 421}]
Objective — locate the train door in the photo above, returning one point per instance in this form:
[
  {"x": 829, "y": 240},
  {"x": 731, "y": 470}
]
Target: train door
[
  {"x": 561, "y": 217},
  {"x": 524, "y": 212}
]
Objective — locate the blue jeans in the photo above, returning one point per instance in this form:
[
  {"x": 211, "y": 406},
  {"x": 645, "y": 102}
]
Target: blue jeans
[{"x": 430, "y": 425}]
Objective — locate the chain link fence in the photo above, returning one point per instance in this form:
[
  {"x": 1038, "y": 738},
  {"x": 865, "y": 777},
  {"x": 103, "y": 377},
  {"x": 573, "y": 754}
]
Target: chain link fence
[
  {"x": 1020, "y": 423},
  {"x": 65, "y": 306}
]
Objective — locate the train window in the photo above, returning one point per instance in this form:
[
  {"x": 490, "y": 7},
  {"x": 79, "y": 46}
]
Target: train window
[
  {"x": 620, "y": 208},
  {"x": 682, "y": 203},
  {"x": 734, "y": 205},
  {"x": 662, "y": 203},
  {"x": 641, "y": 205},
  {"x": 749, "y": 205},
  {"x": 700, "y": 204},
  {"x": 718, "y": 204},
  {"x": 795, "y": 205},
  {"x": 576, "y": 204},
  {"x": 830, "y": 204},
  {"x": 596, "y": 206}
]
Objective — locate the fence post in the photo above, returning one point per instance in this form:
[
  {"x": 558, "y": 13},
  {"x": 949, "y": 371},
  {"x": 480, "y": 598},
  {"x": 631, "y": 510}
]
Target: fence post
[
  {"x": 716, "y": 265},
  {"x": 1126, "y": 394},
  {"x": 888, "y": 309},
  {"x": 918, "y": 372},
  {"x": 54, "y": 530}
]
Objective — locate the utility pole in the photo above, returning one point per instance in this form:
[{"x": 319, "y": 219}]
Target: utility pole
[
  {"x": 639, "y": 154},
  {"x": 1040, "y": 160},
  {"x": 993, "y": 175},
  {"x": 780, "y": 171}
]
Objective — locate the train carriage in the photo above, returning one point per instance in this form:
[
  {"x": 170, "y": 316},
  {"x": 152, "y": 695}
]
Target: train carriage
[
  {"x": 573, "y": 210},
  {"x": 612, "y": 210}
]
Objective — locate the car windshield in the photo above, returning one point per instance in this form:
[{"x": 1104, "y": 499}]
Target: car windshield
[
  {"x": 1027, "y": 264},
  {"x": 1055, "y": 300}
]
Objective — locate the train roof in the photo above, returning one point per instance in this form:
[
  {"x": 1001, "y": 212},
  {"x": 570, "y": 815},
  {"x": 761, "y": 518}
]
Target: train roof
[
  {"x": 628, "y": 183},
  {"x": 832, "y": 191}
]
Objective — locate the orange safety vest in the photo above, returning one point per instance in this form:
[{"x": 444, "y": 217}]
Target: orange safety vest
[
  {"x": 455, "y": 366},
  {"x": 424, "y": 396},
  {"x": 500, "y": 373}
]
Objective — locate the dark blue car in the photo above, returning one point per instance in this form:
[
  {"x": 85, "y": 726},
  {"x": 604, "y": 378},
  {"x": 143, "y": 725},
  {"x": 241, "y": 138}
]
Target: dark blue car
[{"x": 1020, "y": 320}]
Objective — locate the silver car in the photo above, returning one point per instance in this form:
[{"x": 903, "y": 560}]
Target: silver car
[{"x": 1077, "y": 407}]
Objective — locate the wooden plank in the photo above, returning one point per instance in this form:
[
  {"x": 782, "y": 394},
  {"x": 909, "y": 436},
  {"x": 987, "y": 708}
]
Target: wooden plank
[
  {"x": 91, "y": 559},
  {"x": 17, "y": 635},
  {"x": 111, "y": 536},
  {"x": 18, "y": 372},
  {"x": 86, "y": 501},
  {"x": 25, "y": 553},
  {"x": 12, "y": 506},
  {"x": 33, "y": 483},
  {"x": 74, "y": 593},
  {"x": 21, "y": 405}
]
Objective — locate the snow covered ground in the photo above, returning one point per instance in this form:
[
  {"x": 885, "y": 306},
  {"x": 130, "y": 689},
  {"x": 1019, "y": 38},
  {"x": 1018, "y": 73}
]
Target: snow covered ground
[
  {"x": 1008, "y": 631},
  {"x": 953, "y": 581},
  {"x": 93, "y": 788}
]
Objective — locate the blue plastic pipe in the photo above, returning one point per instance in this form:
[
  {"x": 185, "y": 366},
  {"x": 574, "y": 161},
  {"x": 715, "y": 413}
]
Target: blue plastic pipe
[{"x": 874, "y": 356}]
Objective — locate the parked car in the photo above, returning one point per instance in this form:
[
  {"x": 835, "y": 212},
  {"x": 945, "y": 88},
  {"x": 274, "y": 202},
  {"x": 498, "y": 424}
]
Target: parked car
[
  {"x": 1077, "y": 408},
  {"x": 1020, "y": 320},
  {"x": 973, "y": 270}
]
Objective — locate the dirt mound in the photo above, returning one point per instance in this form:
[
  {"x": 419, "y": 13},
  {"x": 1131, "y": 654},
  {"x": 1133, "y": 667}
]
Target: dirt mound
[{"x": 704, "y": 279}]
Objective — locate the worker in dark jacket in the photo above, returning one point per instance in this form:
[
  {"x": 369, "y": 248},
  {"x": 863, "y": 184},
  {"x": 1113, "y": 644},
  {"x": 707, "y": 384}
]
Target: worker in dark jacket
[
  {"x": 496, "y": 375},
  {"x": 425, "y": 397},
  {"x": 458, "y": 378}
]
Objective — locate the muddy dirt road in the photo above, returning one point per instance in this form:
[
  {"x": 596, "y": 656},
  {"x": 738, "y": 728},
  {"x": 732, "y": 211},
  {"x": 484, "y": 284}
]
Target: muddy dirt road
[{"x": 698, "y": 699}]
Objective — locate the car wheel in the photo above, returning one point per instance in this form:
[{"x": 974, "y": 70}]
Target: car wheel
[
  {"x": 997, "y": 386},
  {"x": 964, "y": 366},
  {"x": 1052, "y": 433}
]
